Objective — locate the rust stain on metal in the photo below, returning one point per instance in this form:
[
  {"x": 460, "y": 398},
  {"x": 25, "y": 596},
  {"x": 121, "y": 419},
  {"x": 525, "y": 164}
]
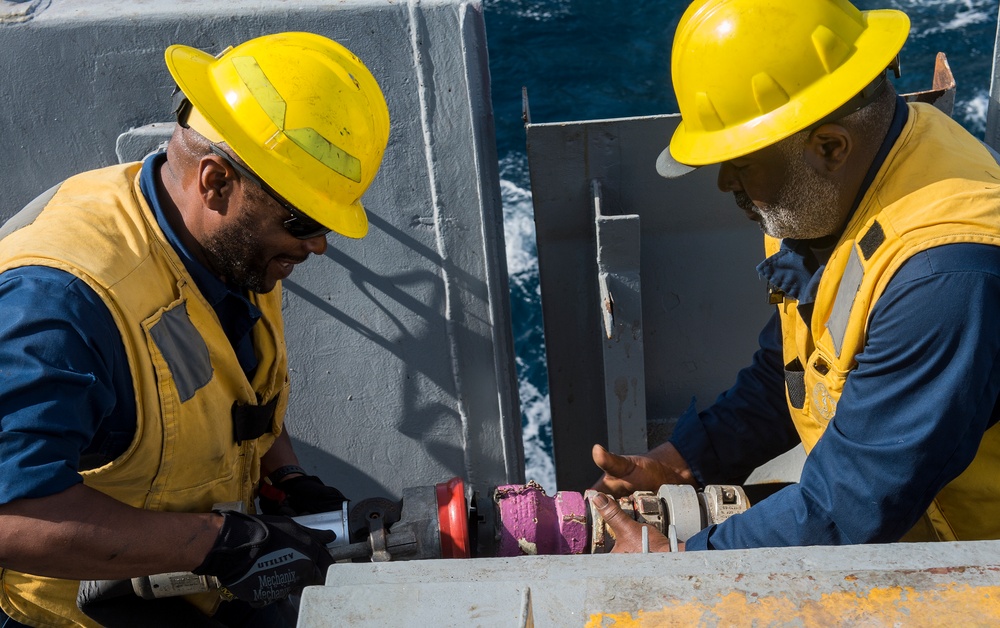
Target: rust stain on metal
[
  {"x": 518, "y": 489},
  {"x": 959, "y": 605},
  {"x": 945, "y": 570}
]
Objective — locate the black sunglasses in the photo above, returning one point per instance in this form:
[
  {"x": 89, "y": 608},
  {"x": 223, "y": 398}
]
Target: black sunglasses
[{"x": 299, "y": 225}]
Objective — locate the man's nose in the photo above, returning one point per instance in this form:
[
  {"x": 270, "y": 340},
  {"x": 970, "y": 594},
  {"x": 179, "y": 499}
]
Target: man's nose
[
  {"x": 316, "y": 244},
  {"x": 728, "y": 181}
]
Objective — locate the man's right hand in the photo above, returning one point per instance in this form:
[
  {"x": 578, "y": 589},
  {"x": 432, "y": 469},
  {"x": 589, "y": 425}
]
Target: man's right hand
[
  {"x": 623, "y": 475},
  {"x": 627, "y": 532},
  {"x": 262, "y": 558}
]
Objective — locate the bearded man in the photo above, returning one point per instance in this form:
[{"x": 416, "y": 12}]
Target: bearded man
[
  {"x": 145, "y": 378},
  {"x": 882, "y": 236}
]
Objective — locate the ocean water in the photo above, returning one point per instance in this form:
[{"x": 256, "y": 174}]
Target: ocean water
[{"x": 593, "y": 59}]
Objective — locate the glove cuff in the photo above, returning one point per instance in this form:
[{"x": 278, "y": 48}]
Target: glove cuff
[{"x": 279, "y": 474}]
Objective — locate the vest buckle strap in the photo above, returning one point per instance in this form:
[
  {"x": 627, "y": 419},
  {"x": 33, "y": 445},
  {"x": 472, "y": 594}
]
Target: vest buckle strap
[
  {"x": 250, "y": 422},
  {"x": 774, "y": 295}
]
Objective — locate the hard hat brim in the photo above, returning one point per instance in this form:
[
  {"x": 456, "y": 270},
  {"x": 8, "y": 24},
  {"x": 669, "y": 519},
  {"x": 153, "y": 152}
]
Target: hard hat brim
[
  {"x": 886, "y": 32},
  {"x": 191, "y": 70},
  {"x": 669, "y": 168}
]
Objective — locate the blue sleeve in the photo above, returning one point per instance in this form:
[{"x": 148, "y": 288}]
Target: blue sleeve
[
  {"x": 747, "y": 425},
  {"x": 910, "y": 419},
  {"x": 56, "y": 379}
]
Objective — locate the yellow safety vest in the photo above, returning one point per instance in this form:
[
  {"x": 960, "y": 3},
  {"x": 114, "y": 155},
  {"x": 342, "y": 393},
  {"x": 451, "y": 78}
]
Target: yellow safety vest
[
  {"x": 937, "y": 186},
  {"x": 187, "y": 378}
]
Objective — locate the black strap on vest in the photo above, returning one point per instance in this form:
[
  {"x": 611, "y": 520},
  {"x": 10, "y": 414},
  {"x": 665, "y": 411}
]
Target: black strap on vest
[
  {"x": 774, "y": 294},
  {"x": 251, "y": 422},
  {"x": 871, "y": 240},
  {"x": 795, "y": 381}
]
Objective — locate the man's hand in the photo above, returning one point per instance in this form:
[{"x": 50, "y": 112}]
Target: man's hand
[
  {"x": 628, "y": 532},
  {"x": 300, "y": 495},
  {"x": 293, "y": 492},
  {"x": 261, "y": 558},
  {"x": 623, "y": 475}
]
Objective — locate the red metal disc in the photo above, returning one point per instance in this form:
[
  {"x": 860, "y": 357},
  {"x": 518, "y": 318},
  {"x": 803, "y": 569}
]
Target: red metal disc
[{"x": 453, "y": 519}]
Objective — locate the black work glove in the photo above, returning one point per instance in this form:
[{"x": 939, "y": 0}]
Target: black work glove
[
  {"x": 300, "y": 495},
  {"x": 262, "y": 559}
]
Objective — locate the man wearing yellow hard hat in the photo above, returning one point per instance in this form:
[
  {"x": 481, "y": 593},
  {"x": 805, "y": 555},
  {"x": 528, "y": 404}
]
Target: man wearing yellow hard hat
[
  {"x": 882, "y": 237},
  {"x": 145, "y": 376}
]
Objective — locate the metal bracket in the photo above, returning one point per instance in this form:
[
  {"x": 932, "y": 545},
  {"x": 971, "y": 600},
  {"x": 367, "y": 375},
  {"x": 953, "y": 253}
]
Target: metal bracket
[
  {"x": 620, "y": 289},
  {"x": 942, "y": 91}
]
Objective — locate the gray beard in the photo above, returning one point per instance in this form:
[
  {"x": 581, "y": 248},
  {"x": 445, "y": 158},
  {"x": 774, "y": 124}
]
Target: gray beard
[{"x": 807, "y": 206}]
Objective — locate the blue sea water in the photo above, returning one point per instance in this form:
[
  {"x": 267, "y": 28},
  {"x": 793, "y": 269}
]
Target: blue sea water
[{"x": 593, "y": 59}]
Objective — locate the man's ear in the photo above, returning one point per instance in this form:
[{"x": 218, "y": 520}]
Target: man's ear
[
  {"x": 828, "y": 147},
  {"x": 215, "y": 183}
]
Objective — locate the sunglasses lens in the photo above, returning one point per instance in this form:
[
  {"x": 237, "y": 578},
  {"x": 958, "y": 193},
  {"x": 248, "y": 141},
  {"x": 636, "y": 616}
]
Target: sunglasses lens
[
  {"x": 299, "y": 225},
  {"x": 302, "y": 227}
]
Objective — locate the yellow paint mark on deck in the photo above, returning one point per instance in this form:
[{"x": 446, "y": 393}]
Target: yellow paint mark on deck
[{"x": 957, "y": 605}]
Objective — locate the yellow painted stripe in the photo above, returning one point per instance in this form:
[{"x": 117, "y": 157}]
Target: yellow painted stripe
[{"x": 956, "y": 605}]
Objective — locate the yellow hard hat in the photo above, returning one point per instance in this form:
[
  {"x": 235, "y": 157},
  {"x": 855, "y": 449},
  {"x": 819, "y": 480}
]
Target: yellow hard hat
[
  {"x": 749, "y": 73},
  {"x": 301, "y": 110}
]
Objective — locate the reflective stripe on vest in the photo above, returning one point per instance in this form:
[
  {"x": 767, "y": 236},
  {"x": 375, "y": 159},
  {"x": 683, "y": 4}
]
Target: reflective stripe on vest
[
  {"x": 917, "y": 201},
  {"x": 184, "y": 350}
]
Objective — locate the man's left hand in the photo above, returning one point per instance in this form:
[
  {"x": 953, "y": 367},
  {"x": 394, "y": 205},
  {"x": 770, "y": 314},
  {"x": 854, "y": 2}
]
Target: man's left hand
[
  {"x": 627, "y": 531},
  {"x": 302, "y": 495}
]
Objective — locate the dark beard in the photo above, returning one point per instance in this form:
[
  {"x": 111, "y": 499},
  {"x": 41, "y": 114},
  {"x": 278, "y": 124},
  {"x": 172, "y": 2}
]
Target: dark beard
[{"x": 235, "y": 255}]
